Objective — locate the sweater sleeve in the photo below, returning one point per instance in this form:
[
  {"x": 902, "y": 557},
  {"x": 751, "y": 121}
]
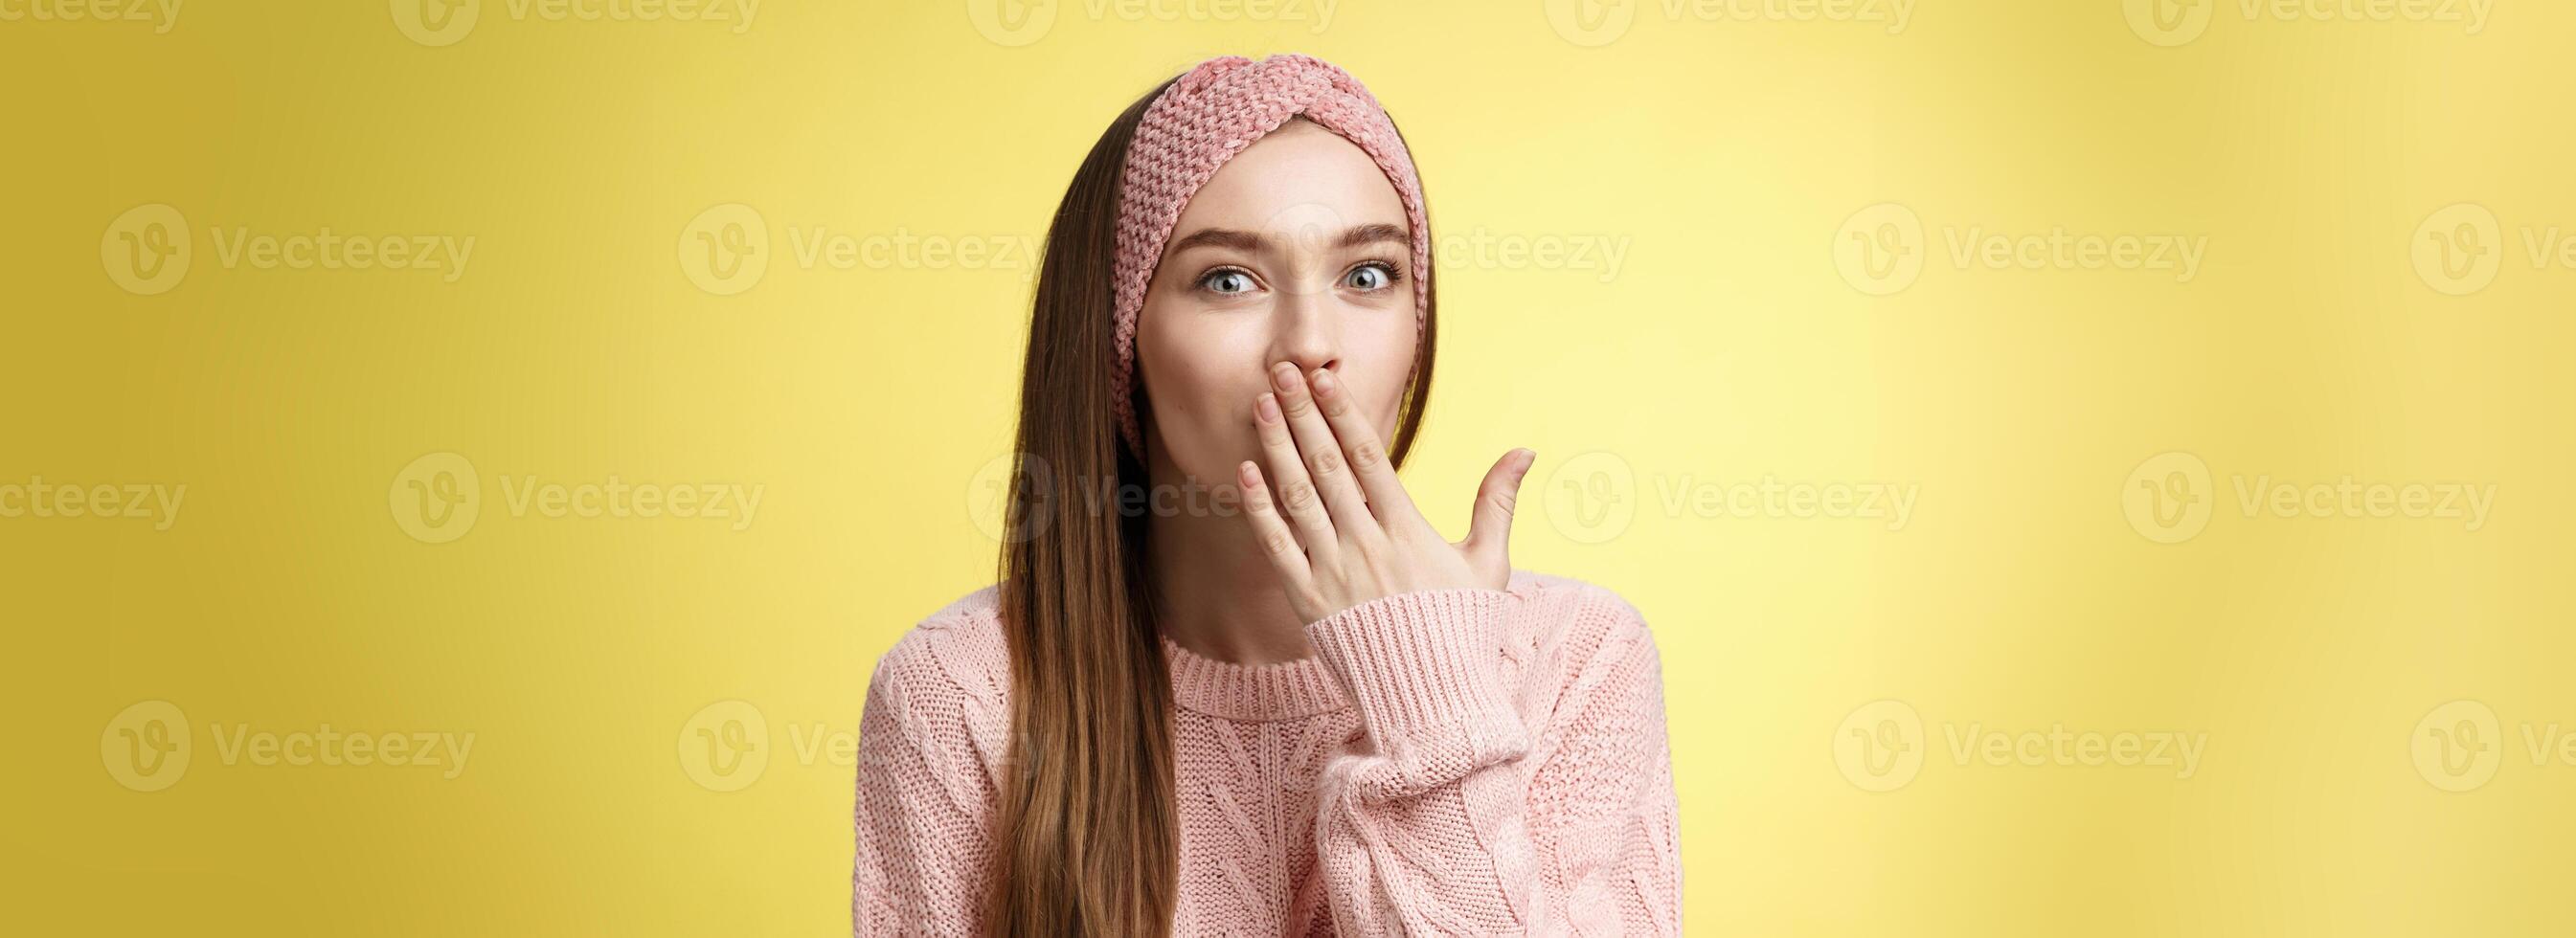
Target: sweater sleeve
[
  {"x": 920, "y": 817},
  {"x": 1453, "y": 814}
]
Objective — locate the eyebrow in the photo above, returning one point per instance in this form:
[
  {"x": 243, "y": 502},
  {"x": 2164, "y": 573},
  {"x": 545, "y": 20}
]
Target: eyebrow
[{"x": 1250, "y": 241}]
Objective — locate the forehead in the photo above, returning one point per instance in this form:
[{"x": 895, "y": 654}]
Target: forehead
[{"x": 1298, "y": 176}]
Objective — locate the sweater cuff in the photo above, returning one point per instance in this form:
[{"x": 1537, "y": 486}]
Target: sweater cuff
[{"x": 1425, "y": 670}]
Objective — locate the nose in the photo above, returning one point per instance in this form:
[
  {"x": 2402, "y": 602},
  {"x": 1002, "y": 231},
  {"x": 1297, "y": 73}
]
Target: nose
[{"x": 1309, "y": 333}]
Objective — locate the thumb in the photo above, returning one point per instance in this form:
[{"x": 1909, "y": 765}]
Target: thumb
[{"x": 1490, "y": 528}]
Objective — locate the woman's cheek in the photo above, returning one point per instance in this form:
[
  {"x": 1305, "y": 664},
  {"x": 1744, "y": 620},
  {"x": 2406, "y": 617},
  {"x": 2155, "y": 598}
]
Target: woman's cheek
[{"x": 1207, "y": 387}]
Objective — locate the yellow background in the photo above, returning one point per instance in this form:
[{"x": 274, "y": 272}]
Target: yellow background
[{"x": 1725, "y": 152}]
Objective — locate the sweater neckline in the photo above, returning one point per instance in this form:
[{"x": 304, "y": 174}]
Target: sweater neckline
[{"x": 1281, "y": 690}]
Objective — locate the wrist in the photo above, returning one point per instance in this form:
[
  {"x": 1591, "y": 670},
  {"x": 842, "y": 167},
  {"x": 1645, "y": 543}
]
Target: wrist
[{"x": 1425, "y": 669}]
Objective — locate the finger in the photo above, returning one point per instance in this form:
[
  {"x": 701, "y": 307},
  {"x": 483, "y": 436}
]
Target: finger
[
  {"x": 1278, "y": 541},
  {"x": 1325, "y": 465},
  {"x": 1296, "y": 495},
  {"x": 1366, "y": 455},
  {"x": 1491, "y": 527}
]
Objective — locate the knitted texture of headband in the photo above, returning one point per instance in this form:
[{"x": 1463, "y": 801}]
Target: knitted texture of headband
[{"x": 1211, "y": 113}]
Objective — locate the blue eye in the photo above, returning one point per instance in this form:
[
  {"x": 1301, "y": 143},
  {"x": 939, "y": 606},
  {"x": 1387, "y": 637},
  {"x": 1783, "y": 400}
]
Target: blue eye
[
  {"x": 1374, "y": 275},
  {"x": 1226, "y": 282}
]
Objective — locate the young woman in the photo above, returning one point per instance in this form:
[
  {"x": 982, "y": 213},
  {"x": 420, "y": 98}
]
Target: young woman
[{"x": 1281, "y": 703}]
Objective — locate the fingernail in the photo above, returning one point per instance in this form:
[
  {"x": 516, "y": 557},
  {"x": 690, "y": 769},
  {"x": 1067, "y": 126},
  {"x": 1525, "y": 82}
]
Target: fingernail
[
  {"x": 1284, "y": 375},
  {"x": 1268, "y": 408},
  {"x": 1324, "y": 383}
]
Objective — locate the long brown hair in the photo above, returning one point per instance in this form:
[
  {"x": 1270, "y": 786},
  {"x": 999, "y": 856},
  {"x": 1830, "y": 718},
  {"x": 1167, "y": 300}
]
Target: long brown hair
[{"x": 1087, "y": 832}]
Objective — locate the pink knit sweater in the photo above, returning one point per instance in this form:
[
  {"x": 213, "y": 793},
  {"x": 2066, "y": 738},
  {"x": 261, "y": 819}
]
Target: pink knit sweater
[{"x": 1458, "y": 761}]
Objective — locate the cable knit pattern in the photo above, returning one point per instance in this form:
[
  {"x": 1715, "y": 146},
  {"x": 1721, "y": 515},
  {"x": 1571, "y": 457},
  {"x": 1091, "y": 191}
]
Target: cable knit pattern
[
  {"x": 1212, "y": 112},
  {"x": 1449, "y": 762}
]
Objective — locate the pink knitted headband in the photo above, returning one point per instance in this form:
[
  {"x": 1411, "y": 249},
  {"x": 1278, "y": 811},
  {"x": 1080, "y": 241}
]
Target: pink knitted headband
[{"x": 1215, "y": 110}]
